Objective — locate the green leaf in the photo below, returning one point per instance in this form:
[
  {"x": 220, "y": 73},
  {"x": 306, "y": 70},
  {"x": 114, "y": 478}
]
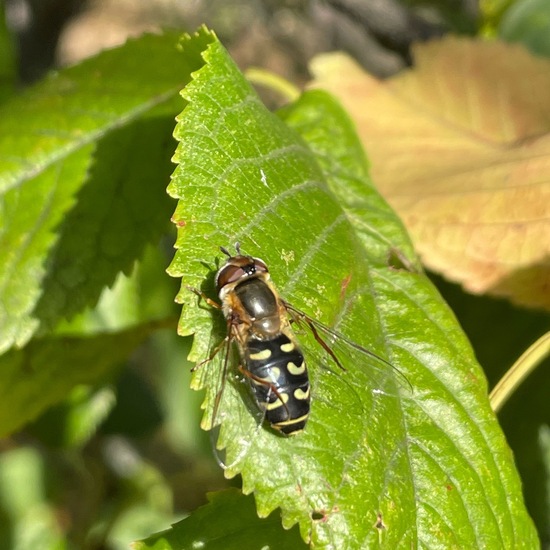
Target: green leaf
[
  {"x": 423, "y": 468},
  {"x": 44, "y": 371},
  {"x": 29, "y": 518},
  {"x": 227, "y": 522},
  {"x": 85, "y": 157},
  {"x": 76, "y": 419},
  {"x": 528, "y": 22},
  {"x": 8, "y": 70}
]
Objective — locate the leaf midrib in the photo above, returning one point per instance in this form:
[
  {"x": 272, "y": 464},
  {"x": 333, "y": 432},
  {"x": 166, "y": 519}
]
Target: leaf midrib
[{"x": 19, "y": 177}]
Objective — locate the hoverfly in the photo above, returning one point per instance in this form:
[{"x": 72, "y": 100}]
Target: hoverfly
[{"x": 260, "y": 322}]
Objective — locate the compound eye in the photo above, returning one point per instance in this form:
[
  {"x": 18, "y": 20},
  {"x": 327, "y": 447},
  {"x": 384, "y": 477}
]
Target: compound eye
[
  {"x": 229, "y": 274},
  {"x": 260, "y": 265}
]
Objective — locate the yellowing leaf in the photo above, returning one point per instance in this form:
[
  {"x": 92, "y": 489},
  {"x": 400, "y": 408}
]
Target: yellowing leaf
[{"x": 460, "y": 147}]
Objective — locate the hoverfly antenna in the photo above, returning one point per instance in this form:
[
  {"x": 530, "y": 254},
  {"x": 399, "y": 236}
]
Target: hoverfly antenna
[
  {"x": 225, "y": 251},
  {"x": 238, "y": 248}
]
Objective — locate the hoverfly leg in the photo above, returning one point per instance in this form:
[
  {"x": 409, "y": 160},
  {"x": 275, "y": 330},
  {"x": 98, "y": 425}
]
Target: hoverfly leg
[
  {"x": 296, "y": 317},
  {"x": 217, "y": 350},
  {"x": 324, "y": 345},
  {"x": 202, "y": 295}
]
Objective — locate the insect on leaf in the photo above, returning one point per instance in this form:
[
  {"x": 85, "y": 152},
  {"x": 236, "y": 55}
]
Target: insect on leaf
[{"x": 423, "y": 467}]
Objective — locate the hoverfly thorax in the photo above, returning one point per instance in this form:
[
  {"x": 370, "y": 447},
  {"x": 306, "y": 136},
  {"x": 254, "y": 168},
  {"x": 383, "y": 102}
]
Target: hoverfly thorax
[{"x": 245, "y": 290}]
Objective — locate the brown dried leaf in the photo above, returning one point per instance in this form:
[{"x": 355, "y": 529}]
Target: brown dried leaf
[{"x": 460, "y": 146}]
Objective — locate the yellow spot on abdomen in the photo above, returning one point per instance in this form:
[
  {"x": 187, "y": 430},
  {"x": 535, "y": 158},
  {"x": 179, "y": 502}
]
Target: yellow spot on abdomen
[
  {"x": 287, "y": 348},
  {"x": 292, "y": 421},
  {"x": 278, "y": 402},
  {"x": 295, "y": 369},
  {"x": 300, "y": 394},
  {"x": 261, "y": 355}
]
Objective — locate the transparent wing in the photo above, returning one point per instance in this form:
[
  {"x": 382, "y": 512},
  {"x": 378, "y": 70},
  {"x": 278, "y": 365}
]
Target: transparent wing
[
  {"x": 226, "y": 386},
  {"x": 341, "y": 351}
]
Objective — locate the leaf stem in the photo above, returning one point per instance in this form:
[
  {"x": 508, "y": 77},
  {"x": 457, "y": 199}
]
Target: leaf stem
[
  {"x": 528, "y": 361},
  {"x": 274, "y": 82}
]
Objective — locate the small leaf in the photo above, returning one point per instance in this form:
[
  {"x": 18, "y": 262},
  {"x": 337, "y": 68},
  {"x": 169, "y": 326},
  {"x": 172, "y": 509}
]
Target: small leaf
[
  {"x": 76, "y": 419},
  {"x": 528, "y": 22},
  {"x": 460, "y": 146},
  {"x": 227, "y": 522},
  {"x": 44, "y": 371},
  {"x": 428, "y": 468},
  {"x": 29, "y": 518},
  {"x": 83, "y": 164}
]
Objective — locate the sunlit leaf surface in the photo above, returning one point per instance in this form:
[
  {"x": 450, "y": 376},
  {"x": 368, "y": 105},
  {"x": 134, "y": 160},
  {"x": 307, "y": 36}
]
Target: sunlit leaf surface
[
  {"x": 421, "y": 468},
  {"x": 83, "y": 165}
]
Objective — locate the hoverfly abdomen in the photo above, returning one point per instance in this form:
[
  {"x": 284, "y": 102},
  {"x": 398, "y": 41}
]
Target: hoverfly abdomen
[{"x": 280, "y": 382}]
